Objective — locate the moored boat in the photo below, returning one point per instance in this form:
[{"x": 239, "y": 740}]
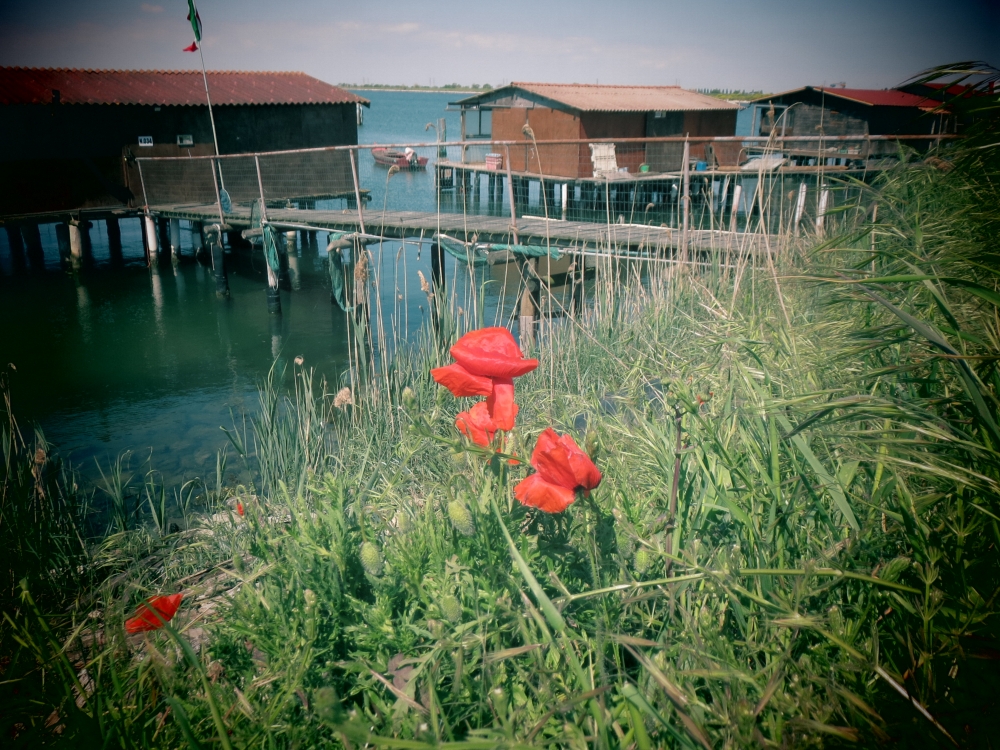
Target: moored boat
[{"x": 406, "y": 159}]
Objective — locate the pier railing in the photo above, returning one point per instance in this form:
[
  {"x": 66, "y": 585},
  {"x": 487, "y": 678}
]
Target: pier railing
[{"x": 705, "y": 182}]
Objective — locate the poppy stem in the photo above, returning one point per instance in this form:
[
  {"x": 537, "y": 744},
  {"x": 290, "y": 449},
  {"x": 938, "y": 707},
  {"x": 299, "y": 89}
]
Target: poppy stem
[{"x": 675, "y": 485}]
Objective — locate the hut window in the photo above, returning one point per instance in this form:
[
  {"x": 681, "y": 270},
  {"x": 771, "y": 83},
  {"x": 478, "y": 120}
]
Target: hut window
[{"x": 659, "y": 114}]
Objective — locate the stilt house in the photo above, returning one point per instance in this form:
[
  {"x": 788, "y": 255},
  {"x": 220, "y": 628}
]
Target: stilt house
[
  {"x": 556, "y": 111},
  {"x": 68, "y": 137}
]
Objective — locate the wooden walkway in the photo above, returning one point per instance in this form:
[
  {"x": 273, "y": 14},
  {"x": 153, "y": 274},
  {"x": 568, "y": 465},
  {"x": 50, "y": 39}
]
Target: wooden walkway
[{"x": 396, "y": 225}]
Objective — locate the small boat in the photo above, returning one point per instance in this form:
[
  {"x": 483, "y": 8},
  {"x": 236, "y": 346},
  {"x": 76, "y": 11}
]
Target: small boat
[{"x": 406, "y": 159}]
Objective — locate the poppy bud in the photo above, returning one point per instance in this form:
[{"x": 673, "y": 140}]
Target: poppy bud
[
  {"x": 642, "y": 561},
  {"x": 451, "y": 609},
  {"x": 593, "y": 445},
  {"x": 461, "y": 518},
  {"x": 371, "y": 559},
  {"x": 625, "y": 546},
  {"x": 403, "y": 522},
  {"x": 409, "y": 399},
  {"x": 310, "y": 597}
]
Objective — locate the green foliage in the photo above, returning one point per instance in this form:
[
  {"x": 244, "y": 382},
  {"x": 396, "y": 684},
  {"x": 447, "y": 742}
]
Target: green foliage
[{"x": 794, "y": 544}]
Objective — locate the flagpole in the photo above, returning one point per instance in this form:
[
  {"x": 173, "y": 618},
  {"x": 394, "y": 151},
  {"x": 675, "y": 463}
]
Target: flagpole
[{"x": 204, "y": 75}]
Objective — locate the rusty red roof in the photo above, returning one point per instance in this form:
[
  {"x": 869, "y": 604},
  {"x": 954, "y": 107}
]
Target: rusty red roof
[
  {"x": 871, "y": 97},
  {"x": 166, "y": 87},
  {"x": 590, "y": 97}
]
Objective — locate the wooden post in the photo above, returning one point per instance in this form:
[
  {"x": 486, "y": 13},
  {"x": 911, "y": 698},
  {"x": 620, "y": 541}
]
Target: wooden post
[
  {"x": 33, "y": 244},
  {"x": 175, "y": 240},
  {"x": 800, "y": 206},
  {"x": 62, "y": 240},
  {"x": 462, "y": 138},
  {"x": 163, "y": 232},
  {"x": 16, "y": 243},
  {"x": 734, "y": 215},
  {"x": 528, "y": 312},
  {"x": 197, "y": 238},
  {"x": 114, "y": 238},
  {"x": 213, "y": 237},
  {"x": 152, "y": 246},
  {"x": 824, "y": 199},
  {"x": 75, "y": 243},
  {"x": 685, "y": 200}
]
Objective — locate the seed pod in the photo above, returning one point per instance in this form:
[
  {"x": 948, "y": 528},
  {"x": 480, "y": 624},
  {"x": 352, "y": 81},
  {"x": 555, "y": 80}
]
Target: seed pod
[
  {"x": 642, "y": 561},
  {"x": 371, "y": 559},
  {"x": 310, "y": 596},
  {"x": 625, "y": 546},
  {"x": 451, "y": 609},
  {"x": 409, "y": 399},
  {"x": 461, "y": 518},
  {"x": 404, "y": 523}
]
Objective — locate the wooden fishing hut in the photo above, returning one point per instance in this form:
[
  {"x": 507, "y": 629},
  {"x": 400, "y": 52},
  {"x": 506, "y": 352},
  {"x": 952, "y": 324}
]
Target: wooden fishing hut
[
  {"x": 590, "y": 112},
  {"x": 841, "y": 111},
  {"x": 68, "y": 137}
]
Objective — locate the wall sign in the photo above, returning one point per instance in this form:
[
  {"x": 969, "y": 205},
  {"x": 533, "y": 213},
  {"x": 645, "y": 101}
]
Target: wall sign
[{"x": 145, "y": 140}]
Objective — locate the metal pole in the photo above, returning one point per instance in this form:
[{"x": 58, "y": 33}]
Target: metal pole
[
  {"x": 685, "y": 197},
  {"x": 208, "y": 98},
  {"x": 357, "y": 190}
]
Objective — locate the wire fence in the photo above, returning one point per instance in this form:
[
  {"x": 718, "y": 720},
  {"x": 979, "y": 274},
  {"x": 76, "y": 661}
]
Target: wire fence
[{"x": 709, "y": 182}]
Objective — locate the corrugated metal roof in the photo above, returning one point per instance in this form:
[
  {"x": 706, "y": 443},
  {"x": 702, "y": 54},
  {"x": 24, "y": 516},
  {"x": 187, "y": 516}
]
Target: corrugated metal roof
[
  {"x": 872, "y": 97},
  {"x": 588, "y": 97},
  {"x": 165, "y": 87}
]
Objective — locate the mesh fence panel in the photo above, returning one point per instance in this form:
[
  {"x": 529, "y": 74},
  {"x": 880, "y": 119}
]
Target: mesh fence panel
[{"x": 731, "y": 183}]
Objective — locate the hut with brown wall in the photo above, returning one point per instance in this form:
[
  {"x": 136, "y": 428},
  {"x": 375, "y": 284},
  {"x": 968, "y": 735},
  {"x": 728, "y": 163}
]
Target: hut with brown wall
[
  {"x": 591, "y": 112},
  {"x": 66, "y": 135},
  {"x": 841, "y": 111}
]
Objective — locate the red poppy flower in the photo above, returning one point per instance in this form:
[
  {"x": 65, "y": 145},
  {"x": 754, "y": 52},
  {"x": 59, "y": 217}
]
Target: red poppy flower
[
  {"x": 501, "y": 404},
  {"x": 476, "y": 424},
  {"x": 493, "y": 353},
  {"x": 152, "y": 614},
  {"x": 239, "y": 507},
  {"x": 461, "y": 382},
  {"x": 562, "y": 469}
]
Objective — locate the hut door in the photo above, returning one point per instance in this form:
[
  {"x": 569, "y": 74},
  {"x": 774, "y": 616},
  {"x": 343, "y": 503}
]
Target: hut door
[{"x": 664, "y": 157}]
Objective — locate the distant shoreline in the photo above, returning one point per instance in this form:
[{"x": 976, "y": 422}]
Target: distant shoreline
[{"x": 413, "y": 91}]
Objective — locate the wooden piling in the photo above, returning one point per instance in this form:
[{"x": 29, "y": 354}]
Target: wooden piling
[
  {"x": 114, "y": 238},
  {"x": 62, "y": 240},
  {"x": 734, "y": 215},
  {"x": 197, "y": 238},
  {"x": 163, "y": 232},
  {"x": 33, "y": 245},
  {"x": 75, "y": 243},
  {"x": 16, "y": 242},
  {"x": 175, "y": 240},
  {"x": 152, "y": 246},
  {"x": 685, "y": 200},
  {"x": 528, "y": 312},
  {"x": 213, "y": 237}
]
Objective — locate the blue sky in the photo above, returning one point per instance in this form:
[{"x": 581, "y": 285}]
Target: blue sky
[{"x": 765, "y": 44}]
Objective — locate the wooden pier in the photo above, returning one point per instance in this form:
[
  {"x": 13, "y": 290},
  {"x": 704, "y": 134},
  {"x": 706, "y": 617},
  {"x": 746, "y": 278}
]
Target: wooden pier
[{"x": 567, "y": 235}]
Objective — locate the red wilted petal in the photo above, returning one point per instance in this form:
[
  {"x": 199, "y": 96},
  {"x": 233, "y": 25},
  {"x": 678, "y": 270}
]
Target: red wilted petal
[
  {"x": 492, "y": 352},
  {"x": 461, "y": 382},
  {"x": 560, "y": 461},
  {"x": 537, "y": 493},
  {"x": 146, "y": 616},
  {"x": 476, "y": 424},
  {"x": 501, "y": 404}
]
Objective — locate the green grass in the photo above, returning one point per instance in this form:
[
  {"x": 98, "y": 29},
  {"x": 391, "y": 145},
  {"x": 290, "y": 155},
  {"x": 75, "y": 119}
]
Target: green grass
[{"x": 815, "y": 566}]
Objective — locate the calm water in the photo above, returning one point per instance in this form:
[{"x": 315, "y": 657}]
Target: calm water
[{"x": 123, "y": 357}]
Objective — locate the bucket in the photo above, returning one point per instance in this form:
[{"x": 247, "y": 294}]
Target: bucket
[
  {"x": 700, "y": 166},
  {"x": 643, "y": 168}
]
